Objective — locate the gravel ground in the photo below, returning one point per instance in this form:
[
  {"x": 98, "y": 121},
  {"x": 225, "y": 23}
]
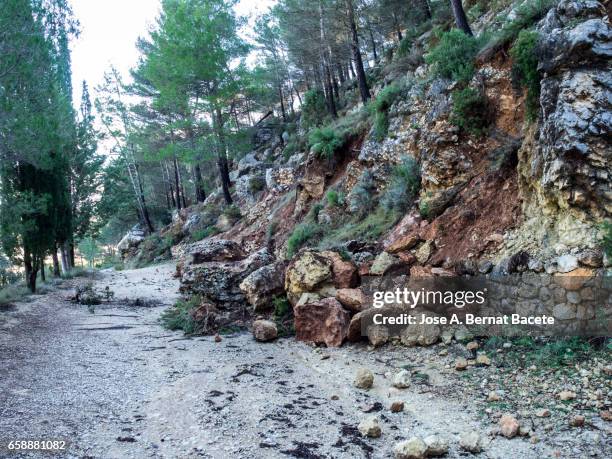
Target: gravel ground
[{"x": 115, "y": 384}]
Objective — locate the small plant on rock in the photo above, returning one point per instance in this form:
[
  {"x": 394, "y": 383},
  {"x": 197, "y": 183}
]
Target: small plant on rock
[
  {"x": 470, "y": 111},
  {"x": 301, "y": 234},
  {"x": 257, "y": 183},
  {"x": 453, "y": 56},
  {"x": 381, "y": 107},
  {"x": 324, "y": 142},
  {"x": 335, "y": 199},
  {"x": 525, "y": 70},
  {"x": 404, "y": 186}
]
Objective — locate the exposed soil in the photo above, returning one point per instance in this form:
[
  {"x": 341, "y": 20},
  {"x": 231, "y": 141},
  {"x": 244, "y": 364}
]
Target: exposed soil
[{"x": 115, "y": 384}]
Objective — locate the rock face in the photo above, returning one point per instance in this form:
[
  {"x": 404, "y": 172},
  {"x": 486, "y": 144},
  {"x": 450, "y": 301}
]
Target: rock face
[
  {"x": 264, "y": 330},
  {"x": 569, "y": 165},
  {"x": 322, "y": 322},
  {"x": 262, "y": 285},
  {"x": 219, "y": 281}
]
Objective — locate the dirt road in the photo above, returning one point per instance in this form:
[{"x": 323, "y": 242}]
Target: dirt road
[{"x": 113, "y": 383}]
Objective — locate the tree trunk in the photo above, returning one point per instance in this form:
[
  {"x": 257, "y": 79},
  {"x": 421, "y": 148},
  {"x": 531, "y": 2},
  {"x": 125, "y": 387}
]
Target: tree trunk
[
  {"x": 31, "y": 271},
  {"x": 43, "y": 277},
  {"x": 361, "y": 76},
  {"x": 330, "y": 93},
  {"x": 71, "y": 245},
  {"x": 373, "y": 43},
  {"x": 56, "y": 266},
  {"x": 145, "y": 210},
  {"x": 199, "y": 183},
  {"x": 282, "y": 103},
  {"x": 222, "y": 157},
  {"x": 460, "y": 17},
  {"x": 177, "y": 182},
  {"x": 426, "y": 8},
  {"x": 398, "y": 29}
]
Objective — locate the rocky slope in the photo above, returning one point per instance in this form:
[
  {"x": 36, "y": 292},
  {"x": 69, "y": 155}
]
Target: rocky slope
[{"x": 527, "y": 197}]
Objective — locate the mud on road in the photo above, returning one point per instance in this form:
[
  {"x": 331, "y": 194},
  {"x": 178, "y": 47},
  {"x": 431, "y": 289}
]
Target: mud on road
[{"x": 114, "y": 384}]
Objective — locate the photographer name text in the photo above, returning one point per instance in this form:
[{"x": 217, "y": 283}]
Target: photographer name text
[{"x": 455, "y": 319}]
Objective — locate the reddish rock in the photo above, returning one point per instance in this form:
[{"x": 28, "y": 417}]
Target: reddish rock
[
  {"x": 352, "y": 299},
  {"x": 405, "y": 243},
  {"x": 364, "y": 269},
  {"x": 406, "y": 226},
  {"x": 354, "y": 330},
  {"x": 322, "y": 322},
  {"x": 441, "y": 272},
  {"x": 508, "y": 426},
  {"x": 407, "y": 257},
  {"x": 574, "y": 280},
  {"x": 344, "y": 273},
  {"x": 420, "y": 271}
]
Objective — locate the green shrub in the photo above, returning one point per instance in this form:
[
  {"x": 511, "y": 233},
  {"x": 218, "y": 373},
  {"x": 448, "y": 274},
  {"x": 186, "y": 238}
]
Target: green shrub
[
  {"x": 404, "y": 186},
  {"x": 13, "y": 292},
  {"x": 380, "y": 107},
  {"x": 257, "y": 183},
  {"x": 204, "y": 233},
  {"x": 453, "y": 56},
  {"x": 470, "y": 111},
  {"x": 363, "y": 227},
  {"x": 272, "y": 229},
  {"x": 606, "y": 228},
  {"x": 525, "y": 70},
  {"x": 386, "y": 97},
  {"x": 526, "y": 16},
  {"x": 281, "y": 307},
  {"x": 232, "y": 212},
  {"x": 301, "y": 234},
  {"x": 381, "y": 126},
  {"x": 335, "y": 199},
  {"x": 361, "y": 199},
  {"x": 424, "y": 209},
  {"x": 324, "y": 142},
  {"x": 314, "y": 109},
  {"x": 291, "y": 148},
  {"x": 179, "y": 316},
  {"x": 404, "y": 46}
]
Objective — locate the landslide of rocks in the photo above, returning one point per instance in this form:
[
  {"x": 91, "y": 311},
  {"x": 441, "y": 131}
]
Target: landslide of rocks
[{"x": 436, "y": 177}]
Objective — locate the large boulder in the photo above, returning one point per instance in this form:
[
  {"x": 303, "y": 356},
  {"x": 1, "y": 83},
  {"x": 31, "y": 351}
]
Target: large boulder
[
  {"x": 305, "y": 273},
  {"x": 322, "y": 322},
  {"x": 128, "y": 246},
  {"x": 215, "y": 250},
  {"x": 262, "y": 285},
  {"x": 264, "y": 330},
  {"x": 344, "y": 273},
  {"x": 219, "y": 281}
]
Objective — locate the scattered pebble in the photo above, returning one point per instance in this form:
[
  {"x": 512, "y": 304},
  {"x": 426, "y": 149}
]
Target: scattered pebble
[
  {"x": 397, "y": 406},
  {"x": 369, "y": 427},
  {"x": 415, "y": 448},
  {"x": 364, "y": 378},
  {"x": 401, "y": 380}
]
